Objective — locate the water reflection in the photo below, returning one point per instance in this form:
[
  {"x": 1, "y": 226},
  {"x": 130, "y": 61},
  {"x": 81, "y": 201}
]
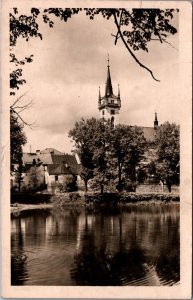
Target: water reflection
[{"x": 137, "y": 245}]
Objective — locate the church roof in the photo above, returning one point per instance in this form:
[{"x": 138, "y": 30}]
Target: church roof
[
  {"x": 149, "y": 133},
  {"x": 109, "y": 88}
]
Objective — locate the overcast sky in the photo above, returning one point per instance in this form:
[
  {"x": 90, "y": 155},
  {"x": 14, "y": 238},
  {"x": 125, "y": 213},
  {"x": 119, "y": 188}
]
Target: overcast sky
[{"x": 69, "y": 65}]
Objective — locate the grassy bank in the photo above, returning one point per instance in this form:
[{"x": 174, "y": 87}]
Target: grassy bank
[
  {"x": 112, "y": 198},
  {"x": 40, "y": 201}
]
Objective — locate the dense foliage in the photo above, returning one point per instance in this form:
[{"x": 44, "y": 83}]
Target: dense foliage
[
  {"x": 109, "y": 154},
  {"x": 135, "y": 27},
  {"x": 18, "y": 139},
  {"x": 168, "y": 153}
]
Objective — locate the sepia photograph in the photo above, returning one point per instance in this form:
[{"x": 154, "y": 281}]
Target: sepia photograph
[{"x": 97, "y": 150}]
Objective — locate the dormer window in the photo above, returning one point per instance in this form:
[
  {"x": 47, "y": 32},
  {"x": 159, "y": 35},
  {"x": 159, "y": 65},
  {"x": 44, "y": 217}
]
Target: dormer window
[{"x": 112, "y": 101}]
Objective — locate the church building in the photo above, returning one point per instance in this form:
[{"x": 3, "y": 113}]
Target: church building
[{"x": 109, "y": 107}]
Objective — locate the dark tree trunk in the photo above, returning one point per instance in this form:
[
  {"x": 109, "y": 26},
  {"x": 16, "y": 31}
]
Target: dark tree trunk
[
  {"x": 102, "y": 189},
  {"x": 19, "y": 185},
  {"x": 86, "y": 185},
  {"x": 133, "y": 177},
  {"x": 119, "y": 186},
  {"x": 169, "y": 184}
]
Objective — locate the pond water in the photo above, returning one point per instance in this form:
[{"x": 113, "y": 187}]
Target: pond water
[{"x": 135, "y": 245}]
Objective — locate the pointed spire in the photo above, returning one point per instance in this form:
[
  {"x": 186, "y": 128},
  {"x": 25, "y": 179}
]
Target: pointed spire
[
  {"x": 155, "y": 121},
  {"x": 99, "y": 100},
  {"x": 118, "y": 91},
  {"x": 109, "y": 88}
]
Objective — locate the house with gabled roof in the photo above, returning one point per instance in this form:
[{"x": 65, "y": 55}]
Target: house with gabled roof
[{"x": 52, "y": 166}]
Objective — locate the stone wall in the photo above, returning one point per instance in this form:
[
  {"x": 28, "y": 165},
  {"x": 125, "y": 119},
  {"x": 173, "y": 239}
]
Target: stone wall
[{"x": 156, "y": 188}]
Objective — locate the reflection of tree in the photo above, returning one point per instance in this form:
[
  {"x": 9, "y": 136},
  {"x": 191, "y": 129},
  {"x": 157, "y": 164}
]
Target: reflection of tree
[
  {"x": 168, "y": 268},
  {"x": 141, "y": 247},
  {"x": 99, "y": 268},
  {"x": 35, "y": 228},
  {"x": 104, "y": 261},
  {"x": 64, "y": 225},
  {"x": 134, "y": 246},
  {"x": 18, "y": 258}
]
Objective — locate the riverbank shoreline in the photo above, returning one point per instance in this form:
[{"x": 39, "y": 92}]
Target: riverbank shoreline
[
  {"x": 22, "y": 207},
  {"x": 73, "y": 200}
]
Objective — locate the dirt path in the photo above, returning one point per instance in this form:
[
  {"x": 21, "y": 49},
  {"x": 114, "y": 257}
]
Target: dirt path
[{"x": 21, "y": 207}]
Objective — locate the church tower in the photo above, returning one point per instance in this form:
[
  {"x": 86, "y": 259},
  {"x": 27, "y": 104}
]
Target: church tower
[{"x": 109, "y": 105}]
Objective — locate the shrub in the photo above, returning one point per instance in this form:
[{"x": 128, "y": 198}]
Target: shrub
[
  {"x": 70, "y": 184},
  {"x": 74, "y": 196}
]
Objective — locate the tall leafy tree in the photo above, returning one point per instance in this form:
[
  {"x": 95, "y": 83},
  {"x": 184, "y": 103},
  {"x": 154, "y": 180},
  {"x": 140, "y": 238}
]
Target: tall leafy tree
[
  {"x": 91, "y": 139},
  {"x": 101, "y": 157},
  {"x": 110, "y": 154},
  {"x": 18, "y": 139},
  {"x": 127, "y": 149},
  {"x": 82, "y": 135},
  {"x": 168, "y": 153}
]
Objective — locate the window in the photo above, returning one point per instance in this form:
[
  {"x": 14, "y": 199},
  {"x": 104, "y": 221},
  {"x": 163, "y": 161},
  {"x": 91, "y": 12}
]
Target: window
[
  {"x": 103, "y": 112},
  {"x": 112, "y": 101},
  {"x": 56, "y": 177},
  {"x": 112, "y": 111}
]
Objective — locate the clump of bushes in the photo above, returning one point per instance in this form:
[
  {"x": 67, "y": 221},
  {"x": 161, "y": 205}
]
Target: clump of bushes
[
  {"x": 112, "y": 198},
  {"x": 67, "y": 198},
  {"x": 74, "y": 196},
  {"x": 70, "y": 184}
]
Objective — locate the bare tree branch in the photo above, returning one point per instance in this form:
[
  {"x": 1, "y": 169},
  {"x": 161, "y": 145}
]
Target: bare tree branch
[
  {"x": 26, "y": 106},
  {"x": 118, "y": 35},
  {"x": 166, "y": 43},
  {"x": 132, "y": 54},
  {"x": 18, "y": 99},
  {"x": 19, "y": 108},
  {"x": 25, "y": 123}
]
